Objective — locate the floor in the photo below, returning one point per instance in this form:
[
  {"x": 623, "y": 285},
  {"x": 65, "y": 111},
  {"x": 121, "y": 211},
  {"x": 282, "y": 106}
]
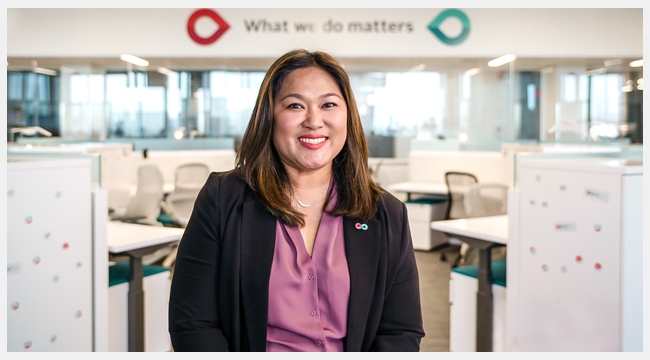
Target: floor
[{"x": 434, "y": 292}]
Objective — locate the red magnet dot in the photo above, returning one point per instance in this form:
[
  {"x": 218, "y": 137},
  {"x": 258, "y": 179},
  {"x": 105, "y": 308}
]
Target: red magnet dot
[
  {"x": 66, "y": 245},
  {"x": 28, "y": 220},
  {"x": 598, "y": 266},
  {"x": 15, "y": 305},
  {"x": 28, "y": 344},
  {"x": 545, "y": 267},
  {"x": 578, "y": 258},
  {"x": 78, "y": 313}
]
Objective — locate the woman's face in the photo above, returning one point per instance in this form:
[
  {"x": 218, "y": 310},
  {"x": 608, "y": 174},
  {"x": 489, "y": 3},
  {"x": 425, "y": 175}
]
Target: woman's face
[{"x": 310, "y": 116}]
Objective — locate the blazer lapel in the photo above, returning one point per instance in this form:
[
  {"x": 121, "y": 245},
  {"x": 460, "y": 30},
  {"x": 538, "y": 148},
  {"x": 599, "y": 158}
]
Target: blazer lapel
[
  {"x": 257, "y": 246},
  {"x": 362, "y": 252}
]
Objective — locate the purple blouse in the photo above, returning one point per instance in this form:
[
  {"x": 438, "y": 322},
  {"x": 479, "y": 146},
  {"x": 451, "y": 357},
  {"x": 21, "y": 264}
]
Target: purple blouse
[{"x": 308, "y": 296}]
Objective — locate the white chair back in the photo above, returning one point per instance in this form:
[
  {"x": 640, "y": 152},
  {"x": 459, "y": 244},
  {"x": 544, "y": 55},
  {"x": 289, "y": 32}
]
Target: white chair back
[{"x": 149, "y": 194}]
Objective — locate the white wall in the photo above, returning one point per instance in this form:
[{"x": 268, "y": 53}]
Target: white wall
[{"x": 163, "y": 32}]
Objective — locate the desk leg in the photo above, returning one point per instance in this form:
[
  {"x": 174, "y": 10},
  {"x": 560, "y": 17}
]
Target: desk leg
[
  {"x": 484, "y": 302},
  {"x": 136, "y": 304}
]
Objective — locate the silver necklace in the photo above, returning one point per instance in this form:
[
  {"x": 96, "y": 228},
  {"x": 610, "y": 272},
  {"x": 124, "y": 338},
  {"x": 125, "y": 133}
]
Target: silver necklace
[{"x": 308, "y": 205}]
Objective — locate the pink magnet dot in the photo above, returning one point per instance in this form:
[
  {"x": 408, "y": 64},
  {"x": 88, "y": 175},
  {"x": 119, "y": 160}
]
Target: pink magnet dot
[
  {"x": 47, "y": 235},
  {"x": 587, "y": 192},
  {"x": 15, "y": 305},
  {"x": 78, "y": 264},
  {"x": 28, "y": 344},
  {"x": 597, "y": 228},
  {"x": 578, "y": 258},
  {"x": 597, "y": 266},
  {"x": 532, "y": 250},
  {"x": 544, "y": 204},
  {"x": 562, "y": 187},
  {"x": 66, "y": 245},
  {"x": 53, "y": 338},
  {"x": 37, "y": 260},
  {"x": 357, "y": 225},
  {"x": 78, "y": 313},
  {"x": 545, "y": 267},
  {"x": 28, "y": 220}
]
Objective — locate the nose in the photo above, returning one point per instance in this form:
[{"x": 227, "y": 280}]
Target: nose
[{"x": 313, "y": 119}]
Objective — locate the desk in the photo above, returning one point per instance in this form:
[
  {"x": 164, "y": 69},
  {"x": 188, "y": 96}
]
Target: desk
[
  {"x": 483, "y": 233},
  {"x": 135, "y": 241},
  {"x": 410, "y": 187}
]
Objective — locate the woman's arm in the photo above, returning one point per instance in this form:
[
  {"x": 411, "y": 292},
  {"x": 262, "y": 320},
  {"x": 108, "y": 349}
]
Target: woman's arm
[
  {"x": 194, "y": 323},
  {"x": 400, "y": 327}
]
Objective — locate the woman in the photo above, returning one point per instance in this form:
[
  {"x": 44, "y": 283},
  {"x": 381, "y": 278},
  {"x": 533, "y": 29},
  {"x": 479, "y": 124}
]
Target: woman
[{"x": 297, "y": 249}]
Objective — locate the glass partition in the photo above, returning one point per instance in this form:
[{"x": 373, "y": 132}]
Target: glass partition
[{"x": 467, "y": 106}]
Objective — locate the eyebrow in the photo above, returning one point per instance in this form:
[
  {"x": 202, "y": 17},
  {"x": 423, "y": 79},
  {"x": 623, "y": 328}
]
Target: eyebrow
[{"x": 301, "y": 97}]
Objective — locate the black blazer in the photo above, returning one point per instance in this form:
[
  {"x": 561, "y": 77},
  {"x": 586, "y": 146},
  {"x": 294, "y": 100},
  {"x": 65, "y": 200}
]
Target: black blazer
[{"x": 219, "y": 290}]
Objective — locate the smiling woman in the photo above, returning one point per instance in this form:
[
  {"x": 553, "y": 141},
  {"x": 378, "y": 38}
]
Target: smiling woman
[{"x": 260, "y": 270}]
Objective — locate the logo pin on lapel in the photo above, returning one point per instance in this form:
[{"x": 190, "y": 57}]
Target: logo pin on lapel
[{"x": 360, "y": 226}]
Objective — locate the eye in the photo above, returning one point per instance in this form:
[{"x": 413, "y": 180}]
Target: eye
[
  {"x": 329, "y": 105},
  {"x": 294, "y": 106}
]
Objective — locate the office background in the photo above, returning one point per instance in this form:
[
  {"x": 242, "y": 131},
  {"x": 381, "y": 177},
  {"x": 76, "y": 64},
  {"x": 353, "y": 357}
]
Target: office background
[
  {"x": 571, "y": 79},
  {"x": 574, "y": 80}
]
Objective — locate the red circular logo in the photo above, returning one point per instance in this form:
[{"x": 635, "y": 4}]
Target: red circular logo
[{"x": 191, "y": 23}]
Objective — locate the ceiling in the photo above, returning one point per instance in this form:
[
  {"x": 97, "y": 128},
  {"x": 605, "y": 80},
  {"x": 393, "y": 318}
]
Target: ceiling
[{"x": 351, "y": 64}]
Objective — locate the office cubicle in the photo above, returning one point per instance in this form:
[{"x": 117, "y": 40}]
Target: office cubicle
[
  {"x": 575, "y": 252},
  {"x": 56, "y": 254}
]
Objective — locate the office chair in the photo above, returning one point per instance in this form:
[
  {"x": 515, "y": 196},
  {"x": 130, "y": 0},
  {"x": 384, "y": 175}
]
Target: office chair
[
  {"x": 191, "y": 176},
  {"x": 484, "y": 199},
  {"x": 144, "y": 207},
  {"x": 188, "y": 181},
  {"x": 457, "y": 183}
]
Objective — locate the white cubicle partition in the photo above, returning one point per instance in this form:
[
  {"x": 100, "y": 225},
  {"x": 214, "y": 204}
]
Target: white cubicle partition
[
  {"x": 49, "y": 255},
  {"x": 430, "y": 166},
  {"x": 577, "y": 264}
]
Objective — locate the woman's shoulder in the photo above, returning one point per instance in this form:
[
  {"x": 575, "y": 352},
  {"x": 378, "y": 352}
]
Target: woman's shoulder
[
  {"x": 390, "y": 203},
  {"x": 228, "y": 181}
]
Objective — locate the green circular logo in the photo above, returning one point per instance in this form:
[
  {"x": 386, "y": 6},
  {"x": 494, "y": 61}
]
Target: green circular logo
[{"x": 434, "y": 26}]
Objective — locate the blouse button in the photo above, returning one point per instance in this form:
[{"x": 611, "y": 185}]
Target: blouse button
[
  {"x": 310, "y": 277},
  {"x": 319, "y": 343},
  {"x": 313, "y": 313}
]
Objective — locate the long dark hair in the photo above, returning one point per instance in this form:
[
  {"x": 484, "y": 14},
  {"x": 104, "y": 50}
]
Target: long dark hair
[{"x": 259, "y": 165}]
